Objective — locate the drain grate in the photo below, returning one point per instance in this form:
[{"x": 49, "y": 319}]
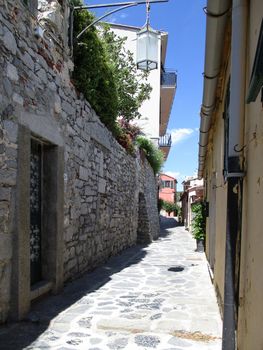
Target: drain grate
[{"x": 176, "y": 268}]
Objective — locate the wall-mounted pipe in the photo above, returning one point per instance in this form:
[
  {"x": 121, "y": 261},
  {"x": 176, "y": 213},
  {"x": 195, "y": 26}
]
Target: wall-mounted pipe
[
  {"x": 234, "y": 171},
  {"x": 217, "y": 12},
  {"x": 237, "y": 82}
]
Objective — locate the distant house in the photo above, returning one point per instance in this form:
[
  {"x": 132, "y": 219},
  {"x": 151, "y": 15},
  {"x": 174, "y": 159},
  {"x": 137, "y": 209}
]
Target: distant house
[
  {"x": 155, "y": 112},
  {"x": 167, "y": 188},
  {"x": 192, "y": 193}
]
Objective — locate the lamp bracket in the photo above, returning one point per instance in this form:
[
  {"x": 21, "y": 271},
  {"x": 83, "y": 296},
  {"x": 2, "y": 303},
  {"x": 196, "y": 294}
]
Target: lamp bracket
[{"x": 120, "y": 5}]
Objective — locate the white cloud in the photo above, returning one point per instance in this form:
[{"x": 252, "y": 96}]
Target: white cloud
[
  {"x": 179, "y": 135},
  {"x": 123, "y": 15}
]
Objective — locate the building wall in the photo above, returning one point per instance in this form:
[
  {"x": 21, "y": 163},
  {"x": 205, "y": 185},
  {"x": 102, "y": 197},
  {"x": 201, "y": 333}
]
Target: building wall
[
  {"x": 251, "y": 279},
  {"x": 150, "y": 109},
  {"x": 167, "y": 193},
  {"x": 250, "y": 304},
  {"x": 216, "y": 195},
  {"x": 91, "y": 187}
]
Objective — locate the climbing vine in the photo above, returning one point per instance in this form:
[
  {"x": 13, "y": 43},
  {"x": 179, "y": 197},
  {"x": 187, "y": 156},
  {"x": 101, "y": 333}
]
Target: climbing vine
[
  {"x": 198, "y": 222},
  {"x": 153, "y": 154}
]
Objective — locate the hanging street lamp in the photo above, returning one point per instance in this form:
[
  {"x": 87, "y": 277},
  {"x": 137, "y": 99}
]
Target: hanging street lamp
[
  {"x": 147, "y": 45},
  {"x": 147, "y": 48}
]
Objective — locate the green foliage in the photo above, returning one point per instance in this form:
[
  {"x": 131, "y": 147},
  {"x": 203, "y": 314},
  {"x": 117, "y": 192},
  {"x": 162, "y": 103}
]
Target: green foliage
[
  {"x": 106, "y": 74},
  {"x": 131, "y": 85},
  {"x": 93, "y": 75},
  {"x": 153, "y": 154},
  {"x": 198, "y": 222},
  {"x": 170, "y": 207},
  {"x": 178, "y": 196},
  {"x": 160, "y": 204}
]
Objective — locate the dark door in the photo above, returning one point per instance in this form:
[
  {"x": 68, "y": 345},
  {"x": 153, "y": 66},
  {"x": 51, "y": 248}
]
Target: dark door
[{"x": 35, "y": 211}]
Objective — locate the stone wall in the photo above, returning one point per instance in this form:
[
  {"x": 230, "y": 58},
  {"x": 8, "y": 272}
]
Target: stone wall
[{"x": 101, "y": 181}]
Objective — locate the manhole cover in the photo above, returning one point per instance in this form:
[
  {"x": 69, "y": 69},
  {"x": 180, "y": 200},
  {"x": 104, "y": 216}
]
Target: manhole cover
[{"x": 176, "y": 268}]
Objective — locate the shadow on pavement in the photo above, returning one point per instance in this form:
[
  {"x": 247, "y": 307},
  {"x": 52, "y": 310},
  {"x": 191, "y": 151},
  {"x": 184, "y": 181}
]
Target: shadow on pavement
[
  {"x": 167, "y": 223},
  {"x": 20, "y": 335},
  {"x": 17, "y": 336}
]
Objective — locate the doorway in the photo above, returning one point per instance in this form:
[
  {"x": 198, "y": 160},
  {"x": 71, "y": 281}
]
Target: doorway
[
  {"x": 36, "y": 212},
  {"x": 37, "y": 265}
]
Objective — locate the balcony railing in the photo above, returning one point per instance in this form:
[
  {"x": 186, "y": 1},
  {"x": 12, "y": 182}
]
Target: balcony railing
[
  {"x": 165, "y": 141},
  {"x": 168, "y": 78}
]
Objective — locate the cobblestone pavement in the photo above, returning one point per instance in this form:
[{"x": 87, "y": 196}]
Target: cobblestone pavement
[{"x": 138, "y": 300}]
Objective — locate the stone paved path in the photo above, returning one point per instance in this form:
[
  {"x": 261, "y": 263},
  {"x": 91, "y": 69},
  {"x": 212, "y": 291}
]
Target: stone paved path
[{"x": 135, "y": 301}]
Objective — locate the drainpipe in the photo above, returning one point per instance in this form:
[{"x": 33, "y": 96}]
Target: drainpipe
[
  {"x": 217, "y": 13},
  {"x": 235, "y": 168}
]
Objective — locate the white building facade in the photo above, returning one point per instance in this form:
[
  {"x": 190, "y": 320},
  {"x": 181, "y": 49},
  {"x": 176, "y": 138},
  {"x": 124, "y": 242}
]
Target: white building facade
[{"x": 155, "y": 112}]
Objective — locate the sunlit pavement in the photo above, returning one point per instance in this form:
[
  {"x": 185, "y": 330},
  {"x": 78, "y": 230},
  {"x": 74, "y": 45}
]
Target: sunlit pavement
[{"x": 155, "y": 297}]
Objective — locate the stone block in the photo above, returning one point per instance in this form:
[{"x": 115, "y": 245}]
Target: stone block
[
  {"x": 11, "y": 129},
  {"x": 11, "y": 152},
  {"x": 83, "y": 173},
  {"x": 124, "y": 325},
  {"x": 5, "y": 193},
  {"x": 5, "y": 246},
  {"x": 52, "y": 86},
  {"x": 27, "y": 60},
  {"x": 9, "y": 41},
  {"x": 7, "y": 87},
  {"x": 84, "y": 209},
  {"x": 11, "y": 72},
  {"x": 18, "y": 99},
  {"x": 68, "y": 108},
  {"x": 102, "y": 185},
  {"x": 42, "y": 75},
  {"x": 90, "y": 192},
  {"x": 57, "y": 104},
  {"x": 8, "y": 177},
  {"x": 68, "y": 234}
]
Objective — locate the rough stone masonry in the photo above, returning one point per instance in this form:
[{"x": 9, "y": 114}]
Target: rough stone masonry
[{"x": 91, "y": 188}]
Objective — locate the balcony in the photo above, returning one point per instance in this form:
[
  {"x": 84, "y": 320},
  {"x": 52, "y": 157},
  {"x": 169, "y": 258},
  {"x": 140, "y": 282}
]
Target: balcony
[
  {"x": 168, "y": 79},
  {"x": 165, "y": 143},
  {"x": 168, "y": 87}
]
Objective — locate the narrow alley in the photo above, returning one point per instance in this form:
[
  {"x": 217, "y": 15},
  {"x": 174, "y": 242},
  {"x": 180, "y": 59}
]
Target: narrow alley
[{"x": 158, "y": 296}]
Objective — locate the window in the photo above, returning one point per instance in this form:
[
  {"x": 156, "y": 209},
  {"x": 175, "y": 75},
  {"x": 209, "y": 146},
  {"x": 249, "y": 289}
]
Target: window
[{"x": 167, "y": 184}]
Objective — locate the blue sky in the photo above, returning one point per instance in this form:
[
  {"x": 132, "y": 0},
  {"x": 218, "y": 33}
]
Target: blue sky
[{"x": 184, "y": 20}]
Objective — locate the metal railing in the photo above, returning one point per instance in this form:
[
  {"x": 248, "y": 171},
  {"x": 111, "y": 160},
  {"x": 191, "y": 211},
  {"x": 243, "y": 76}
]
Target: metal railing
[
  {"x": 165, "y": 141},
  {"x": 168, "y": 78}
]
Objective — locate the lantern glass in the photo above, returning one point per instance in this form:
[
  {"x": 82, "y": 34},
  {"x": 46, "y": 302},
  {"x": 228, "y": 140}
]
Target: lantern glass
[{"x": 147, "y": 48}]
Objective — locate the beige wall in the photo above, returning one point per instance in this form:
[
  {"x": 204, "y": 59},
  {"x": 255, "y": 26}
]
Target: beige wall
[
  {"x": 250, "y": 315},
  {"x": 250, "y": 335},
  {"x": 216, "y": 195}
]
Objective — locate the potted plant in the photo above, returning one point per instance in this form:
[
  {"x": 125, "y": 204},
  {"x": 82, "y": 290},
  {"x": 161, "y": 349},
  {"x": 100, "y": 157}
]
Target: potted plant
[{"x": 198, "y": 225}]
